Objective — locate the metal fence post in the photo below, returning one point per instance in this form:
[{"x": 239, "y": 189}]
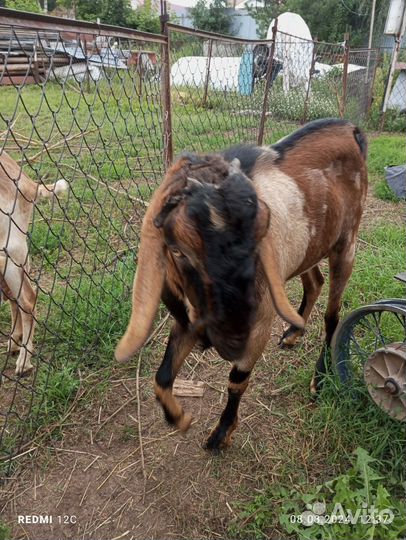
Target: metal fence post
[
  {"x": 345, "y": 74},
  {"x": 311, "y": 73},
  {"x": 166, "y": 88},
  {"x": 206, "y": 83},
  {"x": 269, "y": 70}
]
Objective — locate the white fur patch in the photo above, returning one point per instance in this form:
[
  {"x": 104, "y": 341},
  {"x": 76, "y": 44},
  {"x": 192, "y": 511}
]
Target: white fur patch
[
  {"x": 289, "y": 225},
  {"x": 357, "y": 180}
]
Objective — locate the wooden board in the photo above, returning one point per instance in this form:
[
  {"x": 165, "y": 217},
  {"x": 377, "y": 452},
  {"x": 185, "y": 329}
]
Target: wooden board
[{"x": 187, "y": 388}]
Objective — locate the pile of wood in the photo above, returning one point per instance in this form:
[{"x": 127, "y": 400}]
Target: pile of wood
[{"x": 26, "y": 56}]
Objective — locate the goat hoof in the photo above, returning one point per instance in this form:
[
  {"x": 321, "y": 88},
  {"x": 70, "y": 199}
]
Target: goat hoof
[
  {"x": 290, "y": 337},
  {"x": 183, "y": 424},
  {"x": 214, "y": 443},
  {"x": 24, "y": 371},
  {"x": 219, "y": 438},
  {"x": 315, "y": 387}
]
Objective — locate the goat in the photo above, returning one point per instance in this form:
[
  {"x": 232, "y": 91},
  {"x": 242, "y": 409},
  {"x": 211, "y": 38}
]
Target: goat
[
  {"x": 225, "y": 231},
  {"x": 18, "y": 194}
]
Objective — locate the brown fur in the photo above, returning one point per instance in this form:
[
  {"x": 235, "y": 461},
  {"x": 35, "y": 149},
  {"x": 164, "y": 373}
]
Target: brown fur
[{"x": 315, "y": 191}]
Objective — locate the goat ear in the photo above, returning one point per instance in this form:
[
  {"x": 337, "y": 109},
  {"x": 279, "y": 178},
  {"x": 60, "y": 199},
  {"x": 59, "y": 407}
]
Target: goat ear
[
  {"x": 150, "y": 276},
  {"x": 282, "y": 305},
  {"x": 262, "y": 220}
]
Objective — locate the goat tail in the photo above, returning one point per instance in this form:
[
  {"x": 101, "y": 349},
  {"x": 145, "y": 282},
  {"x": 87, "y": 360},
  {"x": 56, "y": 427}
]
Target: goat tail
[{"x": 47, "y": 191}]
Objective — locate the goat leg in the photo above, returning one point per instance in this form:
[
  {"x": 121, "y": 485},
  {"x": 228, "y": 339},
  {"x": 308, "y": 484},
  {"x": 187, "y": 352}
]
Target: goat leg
[
  {"x": 341, "y": 262},
  {"x": 181, "y": 342},
  {"x": 312, "y": 281},
  {"x": 220, "y": 437}
]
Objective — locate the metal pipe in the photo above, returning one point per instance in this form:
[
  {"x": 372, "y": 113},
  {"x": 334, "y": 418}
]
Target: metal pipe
[
  {"x": 311, "y": 72},
  {"x": 166, "y": 88},
  {"x": 206, "y": 83},
  {"x": 345, "y": 74},
  {"x": 269, "y": 70}
]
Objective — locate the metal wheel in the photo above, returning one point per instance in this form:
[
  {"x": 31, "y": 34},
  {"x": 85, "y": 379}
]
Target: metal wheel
[{"x": 370, "y": 344}]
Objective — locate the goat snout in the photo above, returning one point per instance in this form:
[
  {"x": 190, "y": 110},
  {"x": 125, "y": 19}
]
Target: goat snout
[{"x": 229, "y": 347}]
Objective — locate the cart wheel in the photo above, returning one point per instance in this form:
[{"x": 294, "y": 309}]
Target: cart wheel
[{"x": 370, "y": 344}]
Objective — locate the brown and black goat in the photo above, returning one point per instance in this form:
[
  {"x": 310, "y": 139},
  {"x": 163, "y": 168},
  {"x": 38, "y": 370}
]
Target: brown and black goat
[{"x": 222, "y": 235}]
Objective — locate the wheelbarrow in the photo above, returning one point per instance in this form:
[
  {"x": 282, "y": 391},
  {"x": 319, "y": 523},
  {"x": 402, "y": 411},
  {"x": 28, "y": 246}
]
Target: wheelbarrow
[{"x": 370, "y": 344}]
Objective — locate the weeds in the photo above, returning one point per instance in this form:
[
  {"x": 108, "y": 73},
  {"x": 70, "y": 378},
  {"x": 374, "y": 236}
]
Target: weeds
[{"x": 355, "y": 505}]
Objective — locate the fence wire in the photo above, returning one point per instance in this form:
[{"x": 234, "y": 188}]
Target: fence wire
[
  {"x": 104, "y": 110},
  {"x": 86, "y": 109}
]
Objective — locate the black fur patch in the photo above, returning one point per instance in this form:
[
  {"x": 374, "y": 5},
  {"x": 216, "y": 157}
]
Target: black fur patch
[
  {"x": 292, "y": 140},
  {"x": 237, "y": 377},
  {"x": 176, "y": 307},
  {"x": 229, "y": 260},
  {"x": 226, "y": 421},
  {"x": 246, "y": 153},
  {"x": 361, "y": 141}
]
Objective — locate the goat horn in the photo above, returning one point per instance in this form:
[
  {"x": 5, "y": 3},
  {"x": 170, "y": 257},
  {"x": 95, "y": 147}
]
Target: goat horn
[
  {"x": 193, "y": 182},
  {"x": 276, "y": 285}
]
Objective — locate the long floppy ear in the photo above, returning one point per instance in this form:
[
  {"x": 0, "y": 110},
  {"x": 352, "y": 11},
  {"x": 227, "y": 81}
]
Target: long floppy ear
[
  {"x": 262, "y": 221},
  {"x": 147, "y": 287},
  {"x": 150, "y": 276},
  {"x": 276, "y": 285}
]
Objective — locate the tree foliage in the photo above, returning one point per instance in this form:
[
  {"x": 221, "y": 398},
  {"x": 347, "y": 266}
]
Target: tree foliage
[
  {"x": 24, "y": 5},
  {"x": 212, "y": 17},
  {"x": 115, "y": 12},
  {"x": 327, "y": 20}
]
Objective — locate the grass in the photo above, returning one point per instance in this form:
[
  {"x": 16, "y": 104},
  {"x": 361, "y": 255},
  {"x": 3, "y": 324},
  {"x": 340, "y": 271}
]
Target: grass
[
  {"x": 108, "y": 144},
  {"x": 384, "y": 151}
]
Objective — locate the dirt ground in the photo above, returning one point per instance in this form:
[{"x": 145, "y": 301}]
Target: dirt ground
[{"x": 116, "y": 470}]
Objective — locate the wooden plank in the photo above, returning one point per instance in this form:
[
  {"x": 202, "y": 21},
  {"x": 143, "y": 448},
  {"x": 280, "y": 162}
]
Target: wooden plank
[
  {"x": 16, "y": 80},
  {"x": 187, "y": 388}
]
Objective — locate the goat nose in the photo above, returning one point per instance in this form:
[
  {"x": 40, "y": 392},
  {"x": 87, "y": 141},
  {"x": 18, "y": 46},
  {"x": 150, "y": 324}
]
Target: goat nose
[{"x": 229, "y": 347}]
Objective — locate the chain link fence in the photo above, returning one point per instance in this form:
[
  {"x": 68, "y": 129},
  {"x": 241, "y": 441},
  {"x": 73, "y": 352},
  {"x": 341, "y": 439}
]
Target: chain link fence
[{"x": 105, "y": 109}]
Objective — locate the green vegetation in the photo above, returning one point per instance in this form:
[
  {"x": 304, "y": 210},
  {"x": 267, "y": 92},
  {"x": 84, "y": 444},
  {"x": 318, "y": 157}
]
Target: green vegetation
[
  {"x": 24, "y": 5},
  {"x": 4, "y": 531},
  {"x": 212, "y": 16},
  {"x": 384, "y": 151},
  {"x": 352, "y": 16},
  {"x": 355, "y": 505}
]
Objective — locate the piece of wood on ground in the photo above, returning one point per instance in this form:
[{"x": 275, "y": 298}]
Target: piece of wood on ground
[{"x": 187, "y": 388}]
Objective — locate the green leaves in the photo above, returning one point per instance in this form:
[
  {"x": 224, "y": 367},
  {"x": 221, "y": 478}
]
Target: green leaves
[
  {"x": 354, "y": 505},
  {"x": 212, "y": 17}
]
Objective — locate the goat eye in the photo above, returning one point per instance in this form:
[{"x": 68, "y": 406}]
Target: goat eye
[{"x": 176, "y": 252}]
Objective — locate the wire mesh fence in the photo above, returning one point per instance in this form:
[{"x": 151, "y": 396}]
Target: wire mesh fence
[
  {"x": 104, "y": 109},
  {"x": 93, "y": 118}
]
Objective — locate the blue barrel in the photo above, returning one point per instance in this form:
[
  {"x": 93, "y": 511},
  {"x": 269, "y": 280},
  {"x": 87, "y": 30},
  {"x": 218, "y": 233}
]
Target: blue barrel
[{"x": 246, "y": 74}]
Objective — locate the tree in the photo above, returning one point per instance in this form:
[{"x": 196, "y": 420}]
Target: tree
[
  {"x": 264, "y": 14},
  {"x": 116, "y": 12},
  {"x": 211, "y": 17},
  {"x": 145, "y": 19},
  {"x": 24, "y": 5},
  {"x": 327, "y": 20}
]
